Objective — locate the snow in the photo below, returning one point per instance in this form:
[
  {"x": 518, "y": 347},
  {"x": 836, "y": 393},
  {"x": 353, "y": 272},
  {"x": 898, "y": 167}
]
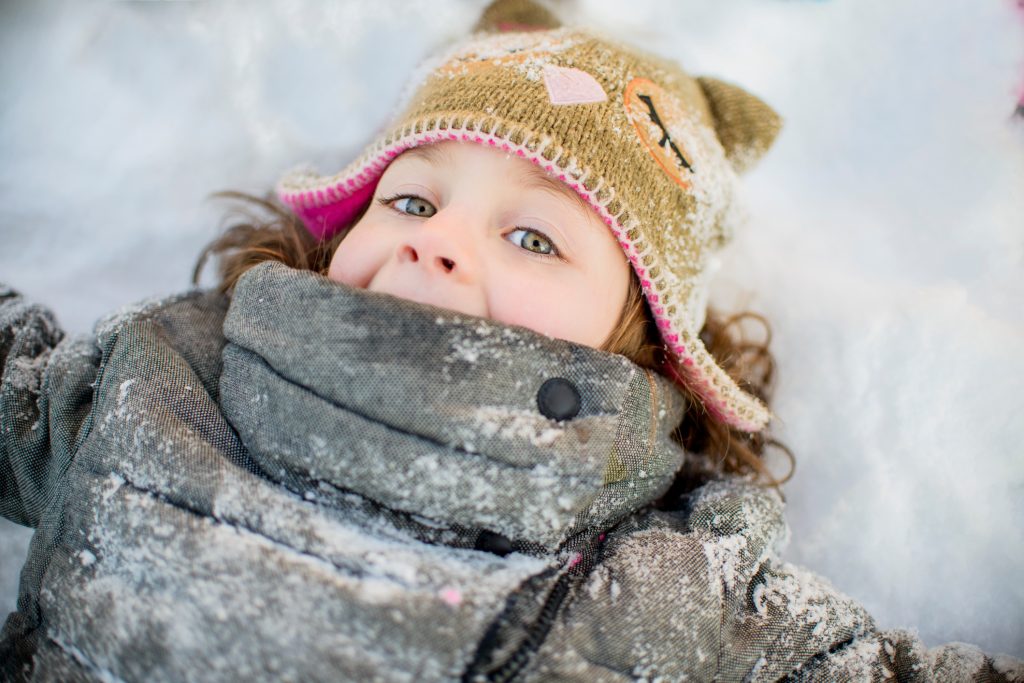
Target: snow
[
  {"x": 885, "y": 242},
  {"x": 515, "y": 425},
  {"x": 724, "y": 559},
  {"x": 122, "y": 391}
]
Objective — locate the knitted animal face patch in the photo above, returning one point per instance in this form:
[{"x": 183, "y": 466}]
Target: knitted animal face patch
[
  {"x": 652, "y": 111},
  {"x": 572, "y": 86}
]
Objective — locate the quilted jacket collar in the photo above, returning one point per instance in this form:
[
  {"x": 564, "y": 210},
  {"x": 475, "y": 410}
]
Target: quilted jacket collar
[{"x": 435, "y": 413}]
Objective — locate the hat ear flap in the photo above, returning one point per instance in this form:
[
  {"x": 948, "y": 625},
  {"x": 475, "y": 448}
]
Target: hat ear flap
[{"x": 745, "y": 125}]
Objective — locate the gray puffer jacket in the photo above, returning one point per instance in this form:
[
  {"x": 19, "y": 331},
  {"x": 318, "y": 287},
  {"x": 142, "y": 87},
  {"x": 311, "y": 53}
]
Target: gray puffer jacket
[{"x": 314, "y": 483}]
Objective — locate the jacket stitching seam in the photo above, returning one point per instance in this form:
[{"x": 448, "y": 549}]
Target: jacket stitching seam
[{"x": 652, "y": 433}]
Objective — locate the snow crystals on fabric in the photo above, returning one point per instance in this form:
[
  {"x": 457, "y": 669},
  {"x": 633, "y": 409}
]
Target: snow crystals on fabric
[
  {"x": 725, "y": 558},
  {"x": 514, "y": 424}
]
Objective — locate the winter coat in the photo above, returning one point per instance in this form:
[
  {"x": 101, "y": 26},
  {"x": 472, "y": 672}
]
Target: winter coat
[{"x": 310, "y": 482}]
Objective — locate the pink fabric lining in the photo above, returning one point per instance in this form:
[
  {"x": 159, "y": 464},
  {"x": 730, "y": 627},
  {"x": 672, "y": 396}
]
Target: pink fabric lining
[{"x": 327, "y": 209}]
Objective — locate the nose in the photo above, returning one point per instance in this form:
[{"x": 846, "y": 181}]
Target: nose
[
  {"x": 441, "y": 248},
  {"x": 408, "y": 254}
]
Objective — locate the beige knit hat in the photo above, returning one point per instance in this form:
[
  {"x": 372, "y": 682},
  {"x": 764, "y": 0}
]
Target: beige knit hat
[{"x": 652, "y": 150}]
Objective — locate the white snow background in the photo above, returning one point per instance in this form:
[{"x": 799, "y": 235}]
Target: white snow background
[{"x": 886, "y": 241}]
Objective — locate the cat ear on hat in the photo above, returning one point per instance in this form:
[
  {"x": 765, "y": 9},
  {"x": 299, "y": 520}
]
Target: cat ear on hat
[
  {"x": 745, "y": 125},
  {"x": 515, "y": 15}
]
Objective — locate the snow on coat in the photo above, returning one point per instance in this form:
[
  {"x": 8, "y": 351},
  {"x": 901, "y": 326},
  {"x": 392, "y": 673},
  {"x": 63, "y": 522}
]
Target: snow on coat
[{"x": 312, "y": 482}]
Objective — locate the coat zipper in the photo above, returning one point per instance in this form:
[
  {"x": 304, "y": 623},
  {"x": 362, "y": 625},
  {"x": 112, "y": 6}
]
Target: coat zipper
[{"x": 578, "y": 568}]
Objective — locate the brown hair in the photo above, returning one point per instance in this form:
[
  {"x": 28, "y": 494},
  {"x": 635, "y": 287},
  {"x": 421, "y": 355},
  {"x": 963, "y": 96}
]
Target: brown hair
[{"x": 272, "y": 232}]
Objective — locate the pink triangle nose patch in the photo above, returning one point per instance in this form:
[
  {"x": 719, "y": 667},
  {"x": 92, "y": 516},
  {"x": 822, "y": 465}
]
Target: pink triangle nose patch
[{"x": 572, "y": 86}]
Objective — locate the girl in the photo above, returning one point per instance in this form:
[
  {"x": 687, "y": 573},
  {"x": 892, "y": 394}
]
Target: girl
[{"x": 456, "y": 414}]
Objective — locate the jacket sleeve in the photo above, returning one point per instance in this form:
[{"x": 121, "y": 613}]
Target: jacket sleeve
[
  {"x": 781, "y": 622},
  {"x": 46, "y": 385}
]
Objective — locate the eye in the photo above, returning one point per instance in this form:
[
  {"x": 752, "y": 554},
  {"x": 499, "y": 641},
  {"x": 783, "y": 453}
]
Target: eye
[
  {"x": 410, "y": 204},
  {"x": 531, "y": 240}
]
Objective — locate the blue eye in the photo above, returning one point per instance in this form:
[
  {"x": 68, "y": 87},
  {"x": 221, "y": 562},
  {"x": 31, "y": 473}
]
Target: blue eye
[
  {"x": 412, "y": 205},
  {"x": 532, "y": 240}
]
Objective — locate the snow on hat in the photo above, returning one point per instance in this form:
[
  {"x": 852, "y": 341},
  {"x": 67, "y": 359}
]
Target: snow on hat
[{"x": 652, "y": 150}]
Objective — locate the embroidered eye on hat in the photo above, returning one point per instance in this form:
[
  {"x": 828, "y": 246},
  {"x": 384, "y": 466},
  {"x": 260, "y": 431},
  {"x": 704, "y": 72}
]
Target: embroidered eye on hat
[{"x": 654, "y": 151}]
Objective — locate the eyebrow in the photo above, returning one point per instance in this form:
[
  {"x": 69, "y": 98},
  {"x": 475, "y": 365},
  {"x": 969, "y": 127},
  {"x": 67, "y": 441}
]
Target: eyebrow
[
  {"x": 537, "y": 178},
  {"x": 534, "y": 177}
]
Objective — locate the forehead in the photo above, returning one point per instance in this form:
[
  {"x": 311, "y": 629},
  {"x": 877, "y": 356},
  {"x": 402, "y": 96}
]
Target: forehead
[{"x": 528, "y": 174}]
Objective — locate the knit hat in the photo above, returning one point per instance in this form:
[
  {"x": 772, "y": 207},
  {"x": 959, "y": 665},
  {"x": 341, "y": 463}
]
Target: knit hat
[{"x": 652, "y": 150}]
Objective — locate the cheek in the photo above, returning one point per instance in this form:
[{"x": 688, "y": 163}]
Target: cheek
[
  {"x": 359, "y": 256},
  {"x": 526, "y": 302},
  {"x": 572, "y": 309}
]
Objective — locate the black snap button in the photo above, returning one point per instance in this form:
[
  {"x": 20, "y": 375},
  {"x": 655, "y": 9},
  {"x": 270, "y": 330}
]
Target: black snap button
[
  {"x": 558, "y": 399},
  {"x": 493, "y": 543}
]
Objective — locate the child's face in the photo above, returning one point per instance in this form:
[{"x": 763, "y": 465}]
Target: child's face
[{"x": 475, "y": 230}]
